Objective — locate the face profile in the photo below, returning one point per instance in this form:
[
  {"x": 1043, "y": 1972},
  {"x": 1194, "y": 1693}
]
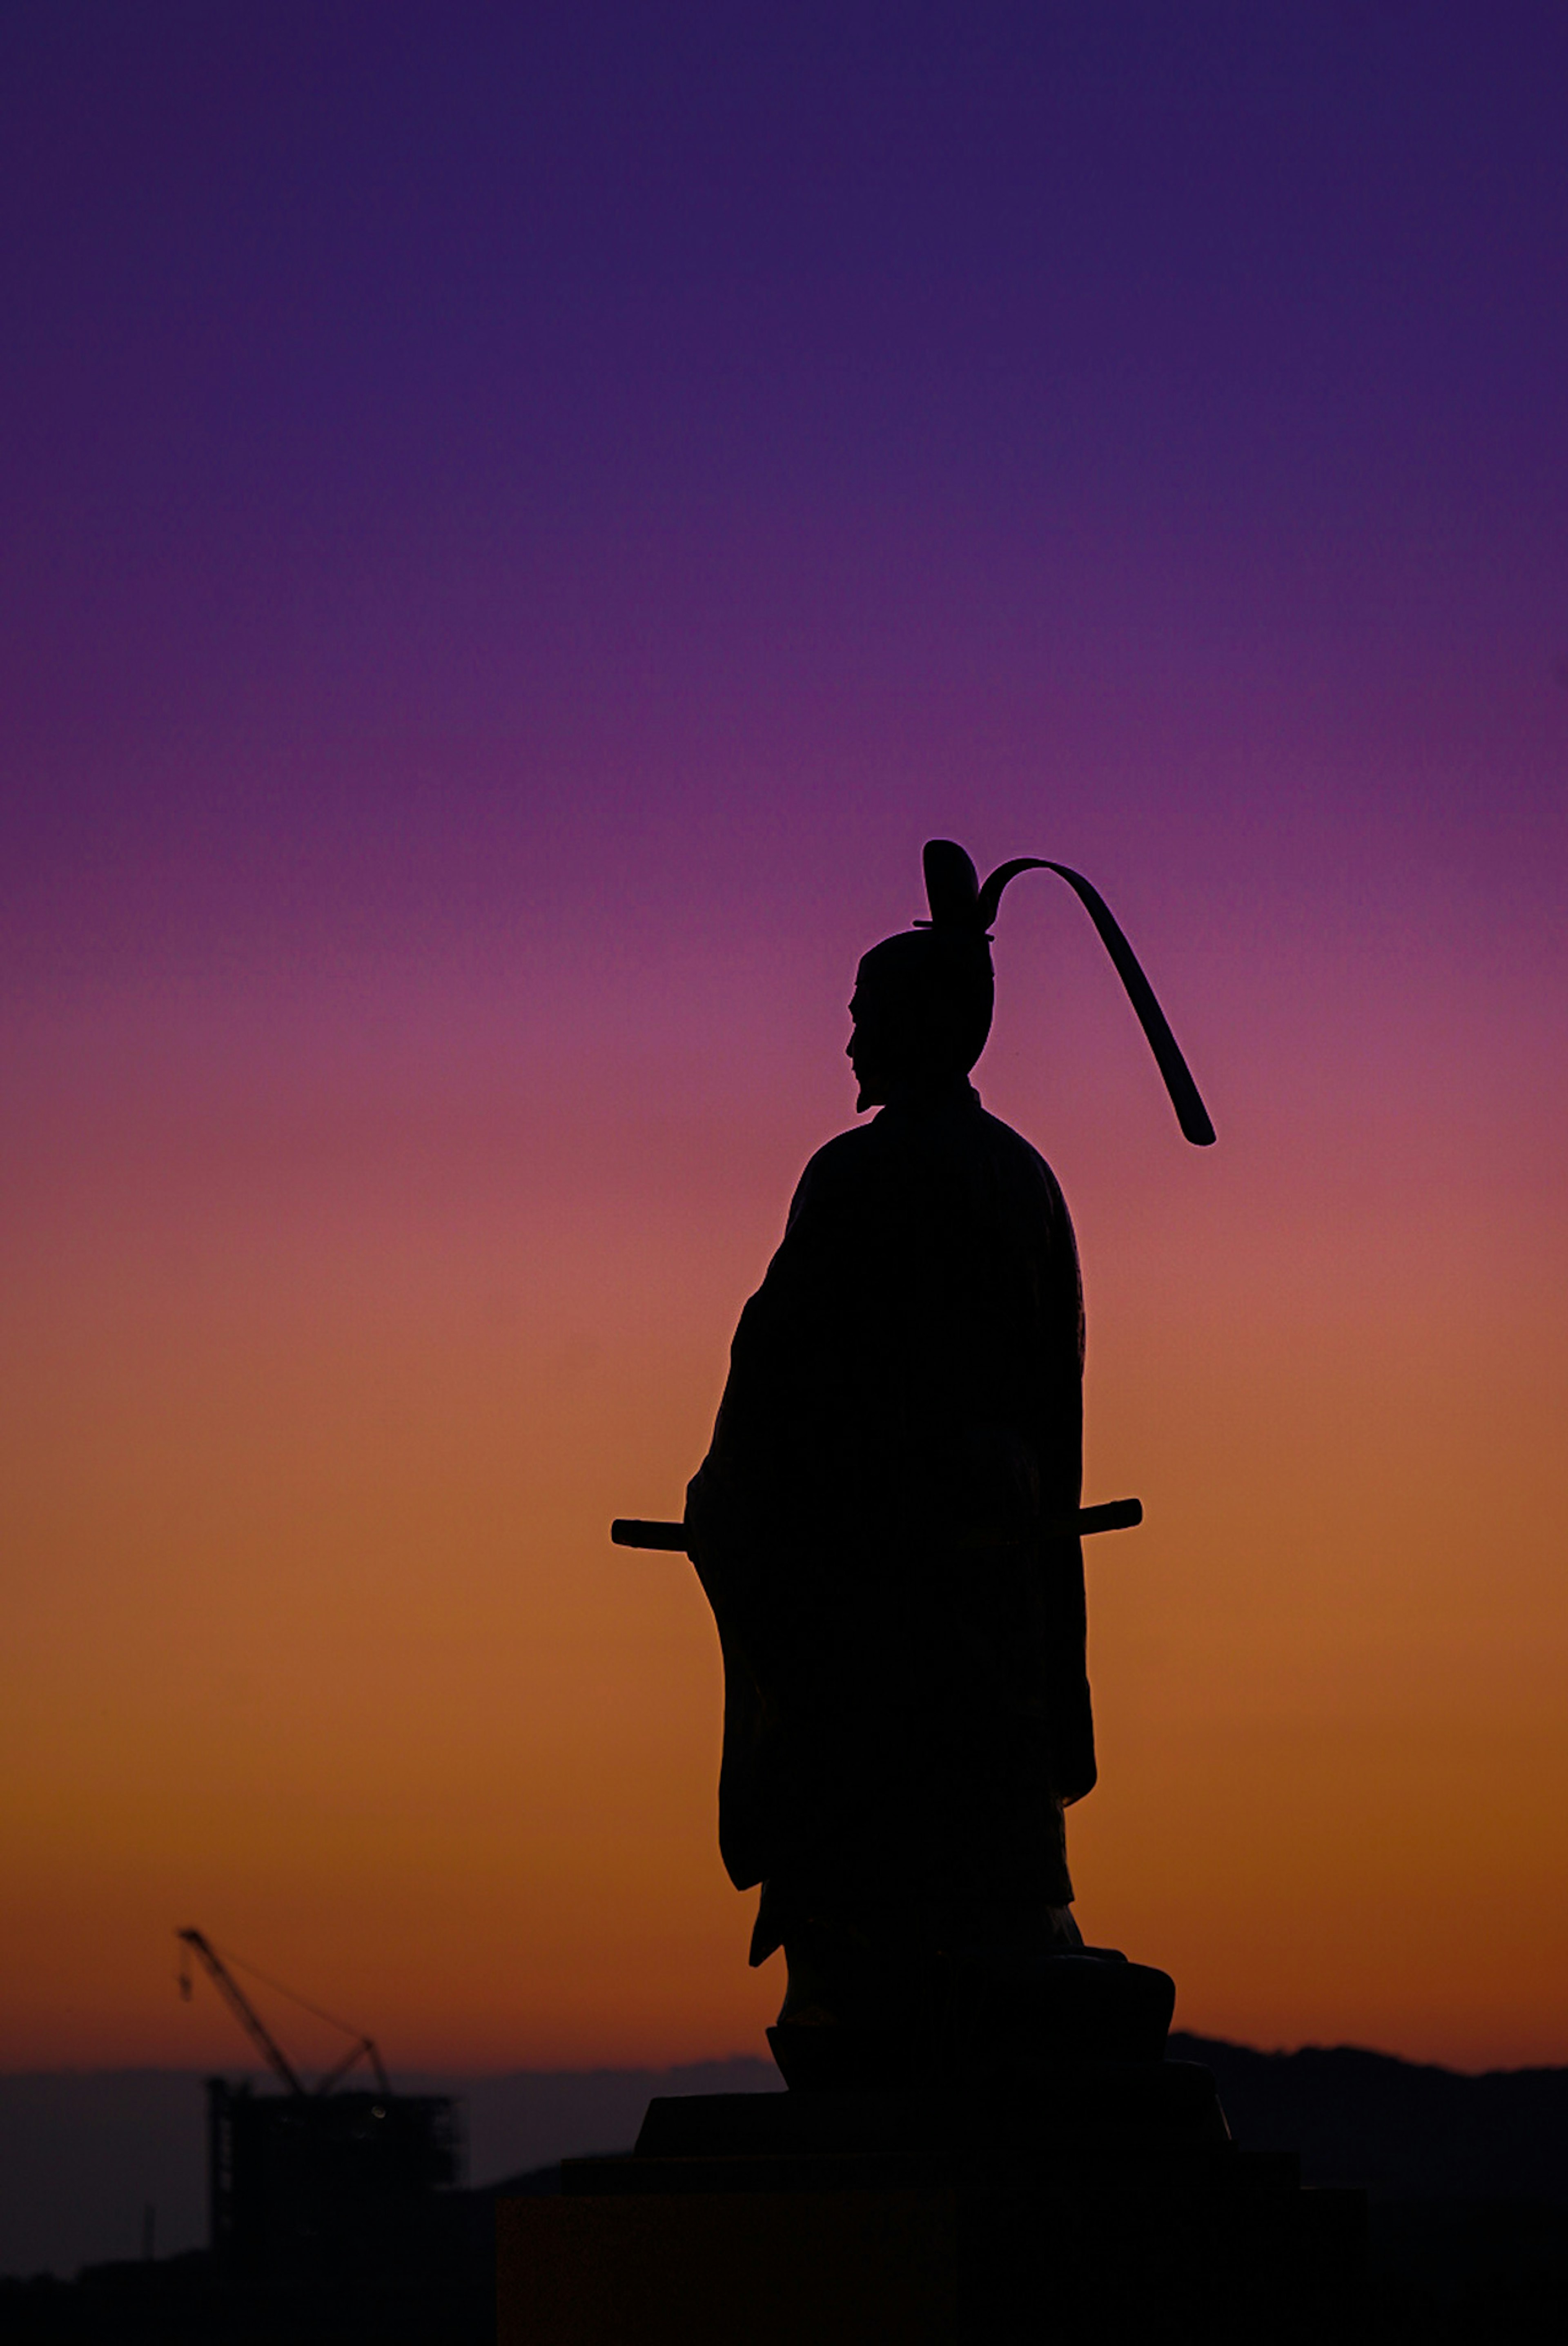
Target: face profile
[
  {"x": 872, "y": 1049},
  {"x": 922, "y": 1012}
]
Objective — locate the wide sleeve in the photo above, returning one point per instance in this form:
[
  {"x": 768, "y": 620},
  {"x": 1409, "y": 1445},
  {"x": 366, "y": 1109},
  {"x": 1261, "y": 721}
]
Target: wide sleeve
[
  {"x": 1069, "y": 1706},
  {"x": 754, "y": 1504}
]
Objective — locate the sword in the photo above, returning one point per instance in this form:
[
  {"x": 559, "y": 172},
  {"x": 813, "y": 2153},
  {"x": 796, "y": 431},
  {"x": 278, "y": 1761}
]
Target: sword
[{"x": 1111, "y": 1515}]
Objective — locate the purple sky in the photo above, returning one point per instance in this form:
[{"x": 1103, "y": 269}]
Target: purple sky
[{"x": 459, "y": 460}]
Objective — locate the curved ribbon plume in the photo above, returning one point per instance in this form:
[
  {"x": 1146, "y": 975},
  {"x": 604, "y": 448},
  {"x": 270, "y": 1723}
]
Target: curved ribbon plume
[{"x": 1191, "y": 1114}]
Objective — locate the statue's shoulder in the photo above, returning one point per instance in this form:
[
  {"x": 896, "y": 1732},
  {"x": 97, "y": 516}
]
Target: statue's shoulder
[
  {"x": 859, "y": 1169},
  {"x": 839, "y": 1171},
  {"x": 845, "y": 1156},
  {"x": 1018, "y": 1157}
]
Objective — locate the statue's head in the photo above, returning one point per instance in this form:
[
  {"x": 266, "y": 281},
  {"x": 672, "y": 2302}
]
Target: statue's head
[{"x": 923, "y": 1001}]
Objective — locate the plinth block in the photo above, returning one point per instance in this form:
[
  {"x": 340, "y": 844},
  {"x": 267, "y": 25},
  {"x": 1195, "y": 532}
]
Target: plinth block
[
  {"x": 758, "y": 2269},
  {"x": 1108, "y": 2206}
]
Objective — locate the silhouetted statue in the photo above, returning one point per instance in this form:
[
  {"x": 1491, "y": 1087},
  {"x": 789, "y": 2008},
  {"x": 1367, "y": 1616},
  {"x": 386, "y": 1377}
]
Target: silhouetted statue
[{"x": 878, "y": 1522}]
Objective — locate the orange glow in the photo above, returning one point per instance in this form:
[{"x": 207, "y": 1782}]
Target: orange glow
[{"x": 316, "y": 1409}]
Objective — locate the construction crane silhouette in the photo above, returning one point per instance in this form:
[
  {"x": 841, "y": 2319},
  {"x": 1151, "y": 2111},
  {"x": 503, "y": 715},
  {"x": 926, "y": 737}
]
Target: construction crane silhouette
[
  {"x": 255, "y": 2028},
  {"x": 317, "y": 2183}
]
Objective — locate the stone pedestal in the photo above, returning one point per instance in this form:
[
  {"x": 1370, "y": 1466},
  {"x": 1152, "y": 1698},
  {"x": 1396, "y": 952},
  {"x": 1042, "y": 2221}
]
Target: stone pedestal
[{"x": 1102, "y": 2203}]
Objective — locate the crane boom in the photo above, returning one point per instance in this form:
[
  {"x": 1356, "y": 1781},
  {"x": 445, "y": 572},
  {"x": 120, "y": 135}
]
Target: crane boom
[
  {"x": 367, "y": 2045},
  {"x": 239, "y": 2004}
]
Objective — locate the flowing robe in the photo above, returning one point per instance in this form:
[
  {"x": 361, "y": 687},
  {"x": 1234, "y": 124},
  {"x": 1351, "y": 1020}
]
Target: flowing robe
[{"x": 906, "y": 1703}]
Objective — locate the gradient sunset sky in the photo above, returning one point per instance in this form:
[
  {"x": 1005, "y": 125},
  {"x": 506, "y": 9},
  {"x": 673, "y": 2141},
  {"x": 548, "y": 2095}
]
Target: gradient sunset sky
[{"x": 516, "y": 523}]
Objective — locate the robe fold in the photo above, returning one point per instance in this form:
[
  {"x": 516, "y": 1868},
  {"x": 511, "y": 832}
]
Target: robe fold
[{"x": 906, "y": 1702}]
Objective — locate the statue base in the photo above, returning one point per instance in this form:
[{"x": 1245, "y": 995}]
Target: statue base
[
  {"x": 1101, "y": 2201},
  {"x": 991, "y": 2022}
]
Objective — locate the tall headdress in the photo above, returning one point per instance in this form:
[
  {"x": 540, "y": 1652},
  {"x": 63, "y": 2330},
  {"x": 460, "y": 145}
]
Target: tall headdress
[{"x": 963, "y": 910}]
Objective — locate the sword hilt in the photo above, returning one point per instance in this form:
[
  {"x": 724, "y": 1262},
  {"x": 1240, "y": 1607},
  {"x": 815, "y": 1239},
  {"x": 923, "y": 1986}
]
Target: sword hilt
[
  {"x": 1111, "y": 1515},
  {"x": 633, "y": 1531}
]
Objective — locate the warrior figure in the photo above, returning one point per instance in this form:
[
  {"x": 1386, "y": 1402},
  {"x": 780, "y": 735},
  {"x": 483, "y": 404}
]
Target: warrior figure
[{"x": 883, "y": 1523}]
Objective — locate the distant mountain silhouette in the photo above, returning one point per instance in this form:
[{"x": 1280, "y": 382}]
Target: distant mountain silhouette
[
  {"x": 84, "y": 2153},
  {"x": 1403, "y": 2130}
]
